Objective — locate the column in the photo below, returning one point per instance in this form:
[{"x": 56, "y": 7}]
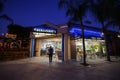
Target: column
[
  {"x": 67, "y": 52},
  {"x": 62, "y": 47},
  {"x": 32, "y": 47},
  {"x": 37, "y": 47}
]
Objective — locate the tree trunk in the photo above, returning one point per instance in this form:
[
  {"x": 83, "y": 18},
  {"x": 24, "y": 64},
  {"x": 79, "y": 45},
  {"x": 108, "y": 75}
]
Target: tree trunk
[
  {"x": 83, "y": 40},
  {"x": 106, "y": 44}
]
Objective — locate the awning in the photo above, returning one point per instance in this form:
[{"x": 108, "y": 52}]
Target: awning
[{"x": 88, "y": 33}]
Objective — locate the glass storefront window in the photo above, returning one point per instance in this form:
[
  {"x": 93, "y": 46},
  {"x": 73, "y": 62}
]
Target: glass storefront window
[{"x": 94, "y": 49}]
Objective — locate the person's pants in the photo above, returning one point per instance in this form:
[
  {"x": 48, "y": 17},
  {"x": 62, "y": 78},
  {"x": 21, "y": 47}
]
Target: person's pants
[{"x": 50, "y": 57}]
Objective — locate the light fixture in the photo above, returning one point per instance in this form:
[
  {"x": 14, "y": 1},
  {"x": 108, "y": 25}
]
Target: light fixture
[
  {"x": 88, "y": 33},
  {"x": 102, "y": 33},
  {"x": 118, "y": 36}
]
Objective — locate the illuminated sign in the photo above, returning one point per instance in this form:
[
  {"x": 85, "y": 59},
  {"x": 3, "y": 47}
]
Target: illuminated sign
[
  {"x": 43, "y": 30},
  {"x": 77, "y": 32},
  {"x": 7, "y": 35},
  {"x": 36, "y": 34}
]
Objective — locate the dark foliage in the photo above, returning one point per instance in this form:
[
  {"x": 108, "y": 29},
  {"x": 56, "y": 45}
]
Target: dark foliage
[{"x": 22, "y": 32}]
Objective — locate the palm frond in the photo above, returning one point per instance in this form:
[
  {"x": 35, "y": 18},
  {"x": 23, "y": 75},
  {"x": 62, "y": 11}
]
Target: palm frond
[
  {"x": 1, "y": 6},
  {"x": 6, "y": 17}
]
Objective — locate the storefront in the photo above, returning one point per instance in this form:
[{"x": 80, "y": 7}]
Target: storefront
[
  {"x": 44, "y": 36},
  {"x": 67, "y": 42},
  {"x": 94, "y": 44}
]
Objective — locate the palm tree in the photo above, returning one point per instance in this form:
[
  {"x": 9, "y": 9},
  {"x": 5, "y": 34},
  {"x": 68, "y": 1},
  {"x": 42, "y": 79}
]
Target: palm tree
[
  {"x": 1, "y": 6},
  {"x": 116, "y": 15},
  {"x": 103, "y": 10},
  {"x": 4, "y": 16},
  {"x": 76, "y": 9}
]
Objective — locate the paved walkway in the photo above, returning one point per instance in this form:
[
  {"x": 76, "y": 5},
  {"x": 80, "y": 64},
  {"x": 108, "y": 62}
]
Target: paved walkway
[{"x": 40, "y": 69}]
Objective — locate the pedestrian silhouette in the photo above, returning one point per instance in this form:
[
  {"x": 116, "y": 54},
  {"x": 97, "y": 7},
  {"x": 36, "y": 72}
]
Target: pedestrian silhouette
[{"x": 51, "y": 50}]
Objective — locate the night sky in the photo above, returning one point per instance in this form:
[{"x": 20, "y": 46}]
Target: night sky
[
  {"x": 36, "y": 12},
  {"x": 32, "y": 13}
]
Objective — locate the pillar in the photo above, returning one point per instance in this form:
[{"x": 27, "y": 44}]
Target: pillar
[
  {"x": 37, "y": 47},
  {"x": 32, "y": 45},
  {"x": 62, "y": 47},
  {"x": 67, "y": 53}
]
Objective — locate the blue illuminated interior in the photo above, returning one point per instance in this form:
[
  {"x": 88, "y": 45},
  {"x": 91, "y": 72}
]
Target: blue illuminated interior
[{"x": 77, "y": 32}]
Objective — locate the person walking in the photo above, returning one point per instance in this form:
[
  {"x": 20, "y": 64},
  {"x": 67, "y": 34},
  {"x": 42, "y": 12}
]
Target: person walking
[{"x": 51, "y": 50}]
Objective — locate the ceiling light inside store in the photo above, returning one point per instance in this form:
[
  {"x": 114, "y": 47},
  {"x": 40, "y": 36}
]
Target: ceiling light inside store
[
  {"x": 118, "y": 36},
  {"x": 41, "y": 34}
]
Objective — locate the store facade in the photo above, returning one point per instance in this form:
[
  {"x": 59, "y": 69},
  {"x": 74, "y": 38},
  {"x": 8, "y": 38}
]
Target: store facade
[
  {"x": 67, "y": 42},
  {"x": 94, "y": 43},
  {"x": 44, "y": 36}
]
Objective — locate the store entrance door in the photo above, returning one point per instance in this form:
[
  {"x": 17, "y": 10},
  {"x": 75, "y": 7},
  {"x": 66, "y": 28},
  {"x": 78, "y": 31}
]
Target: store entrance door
[{"x": 55, "y": 43}]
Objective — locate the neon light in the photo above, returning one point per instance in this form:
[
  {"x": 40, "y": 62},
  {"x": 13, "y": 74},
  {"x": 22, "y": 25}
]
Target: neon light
[{"x": 77, "y": 32}]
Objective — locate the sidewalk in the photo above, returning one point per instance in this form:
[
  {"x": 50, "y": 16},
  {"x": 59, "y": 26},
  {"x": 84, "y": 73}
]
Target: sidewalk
[{"x": 36, "y": 69}]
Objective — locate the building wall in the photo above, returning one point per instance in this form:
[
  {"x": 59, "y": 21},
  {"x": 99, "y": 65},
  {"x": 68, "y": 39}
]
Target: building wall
[
  {"x": 73, "y": 49},
  {"x": 111, "y": 43}
]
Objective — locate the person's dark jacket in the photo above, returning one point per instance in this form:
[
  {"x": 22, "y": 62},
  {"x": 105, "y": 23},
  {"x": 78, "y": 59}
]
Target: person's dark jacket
[{"x": 51, "y": 50}]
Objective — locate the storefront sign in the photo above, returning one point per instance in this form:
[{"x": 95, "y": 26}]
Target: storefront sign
[{"x": 45, "y": 30}]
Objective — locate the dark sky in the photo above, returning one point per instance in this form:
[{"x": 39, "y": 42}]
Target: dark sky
[
  {"x": 36, "y": 12},
  {"x": 32, "y": 12}
]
